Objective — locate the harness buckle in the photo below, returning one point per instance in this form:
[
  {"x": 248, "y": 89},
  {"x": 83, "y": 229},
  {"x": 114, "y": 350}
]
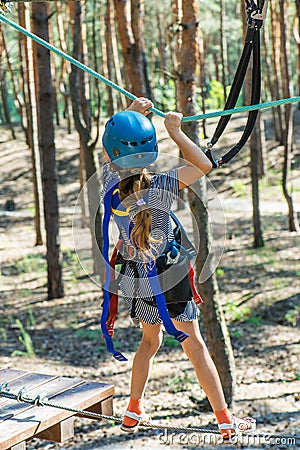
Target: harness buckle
[
  {"x": 256, "y": 15},
  {"x": 209, "y": 155}
]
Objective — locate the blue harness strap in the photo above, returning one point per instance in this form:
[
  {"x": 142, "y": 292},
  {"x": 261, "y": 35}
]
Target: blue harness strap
[{"x": 106, "y": 297}]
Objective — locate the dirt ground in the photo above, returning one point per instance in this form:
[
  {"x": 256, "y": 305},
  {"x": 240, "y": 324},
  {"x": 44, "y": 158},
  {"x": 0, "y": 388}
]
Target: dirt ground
[{"x": 259, "y": 290}]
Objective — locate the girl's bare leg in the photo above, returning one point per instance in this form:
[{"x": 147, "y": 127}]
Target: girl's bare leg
[
  {"x": 143, "y": 359},
  {"x": 196, "y": 350},
  {"x": 141, "y": 367}
]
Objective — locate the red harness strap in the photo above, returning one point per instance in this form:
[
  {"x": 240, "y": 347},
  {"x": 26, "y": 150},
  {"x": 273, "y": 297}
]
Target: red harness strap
[
  {"x": 113, "y": 303},
  {"x": 196, "y": 296}
]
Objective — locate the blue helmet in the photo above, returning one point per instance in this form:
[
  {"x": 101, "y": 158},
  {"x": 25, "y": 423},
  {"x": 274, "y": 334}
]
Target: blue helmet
[{"x": 130, "y": 140}]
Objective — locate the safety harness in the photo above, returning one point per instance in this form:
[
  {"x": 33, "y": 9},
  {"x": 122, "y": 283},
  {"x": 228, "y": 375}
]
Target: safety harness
[
  {"x": 112, "y": 205},
  {"x": 255, "y": 16}
]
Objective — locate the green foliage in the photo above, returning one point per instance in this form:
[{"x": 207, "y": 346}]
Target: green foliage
[
  {"x": 85, "y": 334},
  {"x": 293, "y": 316},
  {"x": 182, "y": 382},
  {"x": 220, "y": 273},
  {"x": 165, "y": 95},
  {"x": 30, "y": 263},
  {"x": 3, "y": 334},
  {"x": 236, "y": 311},
  {"x": 216, "y": 95},
  {"x": 170, "y": 342},
  {"x": 239, "y": 188},
  {"x": 25, "y": 340}
]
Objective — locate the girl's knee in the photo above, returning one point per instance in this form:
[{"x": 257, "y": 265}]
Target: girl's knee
[
  {"x": 152, "y": 339},
  {"x": 193, "y": 345}
]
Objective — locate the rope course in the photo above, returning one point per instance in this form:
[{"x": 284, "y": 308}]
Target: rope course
[
  {"x": 128, "y": 94},
  {"x": 41, "y": 400}
]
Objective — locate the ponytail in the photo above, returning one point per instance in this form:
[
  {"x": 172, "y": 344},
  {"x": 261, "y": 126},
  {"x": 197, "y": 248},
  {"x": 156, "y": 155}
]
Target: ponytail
[{"x": 140, "y": 235}]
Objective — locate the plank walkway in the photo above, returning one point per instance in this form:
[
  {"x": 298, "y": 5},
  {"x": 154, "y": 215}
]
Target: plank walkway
[{"x": 20, "y": 422}]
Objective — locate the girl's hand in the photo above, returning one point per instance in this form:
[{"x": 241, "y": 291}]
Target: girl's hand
[
  {"x": 173, "y": 122},
  {"x": 105, "y": 156},
  {"x": 141, "y": 105}
]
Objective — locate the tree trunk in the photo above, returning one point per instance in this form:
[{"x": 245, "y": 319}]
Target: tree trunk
[
  {"x": 32, "y": 138},
  {"x": 223, "y": 47},
  {"x": 3, "y": 89},
  {"x": 81, "y": 114},
  {"x": 276, "y": 42},
  {"x": 296, "y": 29},
  {"x": 255, "y": 144},
  {"x": 64, "y": 67},
  {"x": 213, "y": 318},
  {"x": 255, "y": 150},
  {"x": 202, "y": 79},
  {"x": 18, "y": 99},
  {"x": 288, "y": 117},
  {"x": 107, "y": 52},
  {"x": 47, "y": 147},
  {"x": 132, "y": 43}
]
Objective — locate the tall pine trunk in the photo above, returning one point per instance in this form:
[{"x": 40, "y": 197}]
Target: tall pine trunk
[
  {"x": 131, "y": 38},
  {"x": 288, "y": 115},
  {"x": 214, "y": 323},
  {"x": 47, "y": 148},
  {"x": 82, "y": 119},
  {"x": 26, "y": 46}
]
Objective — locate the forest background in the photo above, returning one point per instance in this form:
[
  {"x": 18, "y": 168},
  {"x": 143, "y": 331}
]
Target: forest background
[{"x": 182, "y": 55}]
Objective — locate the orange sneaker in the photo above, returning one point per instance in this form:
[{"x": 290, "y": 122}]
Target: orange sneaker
[
  {"x": 135, "y": 421},
  {"x": 229, "y": 430}
]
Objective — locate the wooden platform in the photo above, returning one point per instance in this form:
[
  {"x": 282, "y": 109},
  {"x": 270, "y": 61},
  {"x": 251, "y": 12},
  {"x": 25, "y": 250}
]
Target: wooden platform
[{"x": 20, "y": 422}]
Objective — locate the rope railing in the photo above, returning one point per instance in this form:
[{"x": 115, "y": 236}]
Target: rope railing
[
  {"x": 41, "y": 400},
  {"x": 128, "y": 94}
]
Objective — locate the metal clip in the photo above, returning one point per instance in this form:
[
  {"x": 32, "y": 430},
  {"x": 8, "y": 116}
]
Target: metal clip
[
  {"x": 40, "y": 398},
  {"x": 4, "y": 387},
  {"x": 21, "y": 393}
]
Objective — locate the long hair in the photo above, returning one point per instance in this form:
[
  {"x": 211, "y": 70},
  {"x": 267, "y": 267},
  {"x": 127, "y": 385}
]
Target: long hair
[{"x": 133, "y": 189}]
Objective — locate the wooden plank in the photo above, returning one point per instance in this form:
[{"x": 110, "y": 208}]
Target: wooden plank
[
  {"x": 59, "y": 432},
  {"x": 53, "y": 386},
  {"x": 107, "y": 406},
  {"x": 29, "y": 380},
  {"x": 102, "y": 407},
  {"x": 10, "y": 374},
  {"x": 38, "y": 419}
]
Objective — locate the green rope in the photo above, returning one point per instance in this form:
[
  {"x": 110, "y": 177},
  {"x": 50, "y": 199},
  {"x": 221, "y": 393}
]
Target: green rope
[{"x": 111, "y": 84}]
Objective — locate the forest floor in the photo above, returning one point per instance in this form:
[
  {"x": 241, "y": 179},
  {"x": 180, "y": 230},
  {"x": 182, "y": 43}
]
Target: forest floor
[{"x": 259, "y": 290}]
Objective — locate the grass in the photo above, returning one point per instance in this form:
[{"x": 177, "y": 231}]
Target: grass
[
  {"x": 293, "y": 316},
  {"x": 31, "y": 263},
  {"x": 25, "y": 340},
  {"x": 170, "y": 342},
  {"x": 88, "y": 334},
  {"x": 239, "y": 188},
  {"x": 182, "y": 383}
]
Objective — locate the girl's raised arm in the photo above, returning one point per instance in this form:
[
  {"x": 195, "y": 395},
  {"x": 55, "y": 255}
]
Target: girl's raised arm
[{"x": 197, "y": 164}]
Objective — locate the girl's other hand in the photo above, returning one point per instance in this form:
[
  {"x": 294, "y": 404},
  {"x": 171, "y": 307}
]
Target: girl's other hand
[
  {"x": 105, "y": 156},
  {"x": 141, "y": 105},
  {"x": 173, "y": 122}
]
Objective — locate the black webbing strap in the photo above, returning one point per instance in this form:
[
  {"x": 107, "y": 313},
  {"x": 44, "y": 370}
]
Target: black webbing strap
[{"x": 252, "y": 46}]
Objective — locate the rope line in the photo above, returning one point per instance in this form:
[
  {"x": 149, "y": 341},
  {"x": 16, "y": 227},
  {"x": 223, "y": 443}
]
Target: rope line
[
  {"x": 40, "y": 400},
  {"x": 128, "y": 94}
]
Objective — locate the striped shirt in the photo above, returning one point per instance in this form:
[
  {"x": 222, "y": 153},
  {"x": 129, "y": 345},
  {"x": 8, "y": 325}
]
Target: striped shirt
[{"x": 161, "y": 194}]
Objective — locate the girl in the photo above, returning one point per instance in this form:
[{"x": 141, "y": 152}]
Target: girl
[{"x": 129, "y": 143}]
